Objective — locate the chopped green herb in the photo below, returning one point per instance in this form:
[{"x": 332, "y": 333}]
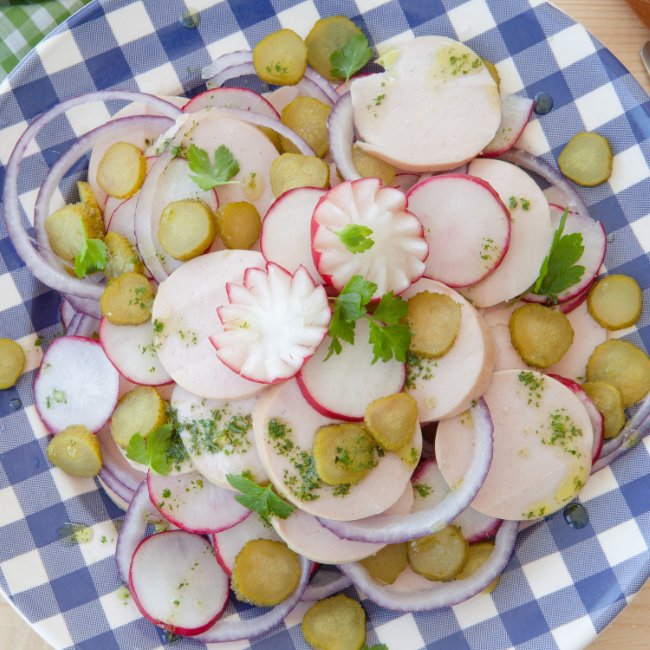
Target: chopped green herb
[{"x": 355, "y": 238}]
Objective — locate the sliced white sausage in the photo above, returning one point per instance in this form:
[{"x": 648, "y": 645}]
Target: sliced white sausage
[
  {"x": 434, "y": 108},
  {"x": 542, "y": 446},
  {"x": 447, "y": 386},
  {"x": 218, "y": 436},
  {"x": 303, "y": 534},
  {"x": 531, "y": 233},
  {"x": 381, "y": 487},
  {"x": 186, "y": 306}
]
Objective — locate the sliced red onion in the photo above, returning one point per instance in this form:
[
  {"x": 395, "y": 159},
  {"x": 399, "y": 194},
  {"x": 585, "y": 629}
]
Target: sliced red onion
[
  {"x": 323, "y": 84},
  {"x": 133, "y": 530},
  {"x": 226, "y": 61},
  {"x": 234, "y": 630},
  {"x": 340, "y": 131},
  {"x": 81, "y": 325},
  {"x": 318, "y": 592},
  {"x": 391, "y": 529},
  {"x": 569, "y": 194},
  {"x": 440, "y": 595},
  {"x": 119, "y": 488},
  {"x": 232, "y": 72},
  {"x": 115, "y": 463},
  {"x": 84, "y": 305},
  {"x": 73, "y": 325},
  {"x": 312, "y": 89}
]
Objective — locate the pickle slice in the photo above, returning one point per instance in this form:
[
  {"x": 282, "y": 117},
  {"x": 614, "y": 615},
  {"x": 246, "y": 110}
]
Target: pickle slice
[
  {"x": 12, "y": 362},
  {"x": 87, "y": 195},
  {"x": 494, "y": 73},
  {"x": 391, "y": 420},
  {"x": 540, "y": 335},
  {"x": 343, "y": 453},
  {"x": 292, "y": 170},
  {"x": 76, "y": 451},
  {"x": 265, "y": 573},
  {"x": 587, "y": 159},
  {"x": 615, "y": 302},
  {"x": 434, "y": 319},
  {"x": 122, "y": 257},
  {"x": 369, "y": 166},
  {"x": 441, "y": 556},
  {"x": 622, "y": 364},
  {"x": 327, "y": 36},
  {"x": 387, "y": 564},
  {"x": 337, "y": 623},
  {"x": 478, "y": 554},
  {"x": 127, "y": 300},
  {"x": 609, "y": 401},
  {"x": 239, "y": 225},
  {"x": 66, "y": 229},
  {"x": 141, "y": 410},
  {"x": 122, "y": 170},
  {"x": 273, "y": 136},
  {"x": 307, "y": 117},
  {"x": 187, "y": 229},
  {"x": 281, "y": 58}
]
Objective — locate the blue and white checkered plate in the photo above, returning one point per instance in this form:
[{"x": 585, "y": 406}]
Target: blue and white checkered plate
[{"x": 562, "y": 585}]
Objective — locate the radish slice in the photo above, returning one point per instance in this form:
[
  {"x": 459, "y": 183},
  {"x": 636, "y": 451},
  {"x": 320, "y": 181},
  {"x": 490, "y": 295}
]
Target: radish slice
[
  {"x": 396, "y": 258},
  {"x": 439, "y": 595},
  {"x": 193, "y": 503},
  {"x": 346, "y": 383},
  {"x": 111, "y": 205},
  {"x": 283, "y": 96},
  {"x": 465, "y": 224},
  {"x": 218, "y": 436},
  {"x": 568, "y": 306},
  {"x": 390, "y": 529},
  {"x": 515, "y": 113},
  {"x": 594, "y": 240},
  {"x": 76, "y": 384},
  {"x": 595, "y": 415},
  {"x": 340, "y": 132},
  {"x": 243, "y": 98},
  {"x": 131, "y": 349},
  {"x": 273, "y": 324},
  {"x": 286, "y": 235},
  {"x": 405, "y": 181},
  {"x": 122, "y": 219},
  {"x": 228, "y": 543},
  {"x": 177, "y": 584},
  {"x": 66, "y": 313},
  {"x": 474, "y": 525}
]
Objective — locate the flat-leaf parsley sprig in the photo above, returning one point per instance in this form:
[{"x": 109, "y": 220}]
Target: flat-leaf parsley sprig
[
  {"x": 152, "y": 451},
  {"x": 354, "y": 54},
  {"x": 355, "y": 238},
  {"x": 208, "y": 176},
  {"x": 387, "y": 336},
  {"x": 92, "y": 257},
  {"x": 261, "y": 500}
]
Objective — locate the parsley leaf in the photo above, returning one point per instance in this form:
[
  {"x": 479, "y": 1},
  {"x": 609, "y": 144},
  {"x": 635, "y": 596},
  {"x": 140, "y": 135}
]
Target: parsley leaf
[
  {"x": 263, "y": 501},
  {"x": 92, "y": 256},
  {"x": 354, "y": 54},
  {"x": 391, "y": 309},
  {"x": 355, "y": 238},
  {"x": 388, "y": 340},
  {"x": 152, "y": 451},
  {"x": 225, "y": 167},
  {"x": 377, "y": 646}
]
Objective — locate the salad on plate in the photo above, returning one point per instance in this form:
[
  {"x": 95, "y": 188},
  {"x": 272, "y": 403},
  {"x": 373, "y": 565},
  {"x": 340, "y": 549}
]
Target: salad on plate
[{"x": 339, "y": 323}]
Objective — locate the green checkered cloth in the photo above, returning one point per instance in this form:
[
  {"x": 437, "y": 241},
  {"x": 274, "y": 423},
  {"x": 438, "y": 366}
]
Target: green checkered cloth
[{"x": 23, "y": 24}]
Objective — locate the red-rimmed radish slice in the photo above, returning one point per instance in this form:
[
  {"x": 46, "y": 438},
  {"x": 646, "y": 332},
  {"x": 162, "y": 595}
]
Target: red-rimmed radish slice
[
  {"x": 515, "y": 113},
  {"x": 228, "y": 543},
  {"x": 194, "y": 364},
  {"x": 474, "y": 525},
  {"x": 234, "y": 98},
  {"x": 531, "y": 233},
  {"x": 379, "y": 489},
  {"x": 194, "y": 504},
  {"x": 568, "y": 306},
  {"x": 177, "y": 584},
  {"x": 595, "y": 415},
  {"x": 132, "y": 350},
  {"x": 227, "y": 424},
  {"x": 405, "y": 181},
  {"x": 76, "y": 384},
  {"x": 534, "y": 472},
  {"x": 465, "y": 224},
  {"x": 283, "y": 96},
  {"x": 122, "y": 219},
  {"x": 395, "y": 260},
  {"x": 346, "y": 383},
  {"x": 110, "y": 206},
  {"x": 67, "y": 313},
  {"x": 273, "y": 324},
  {"x": 594, "y": 240},
  {"x": 286, "y": 230}
]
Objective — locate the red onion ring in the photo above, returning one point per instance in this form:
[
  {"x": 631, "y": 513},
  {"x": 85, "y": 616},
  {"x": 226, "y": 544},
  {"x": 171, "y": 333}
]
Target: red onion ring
[
  {"x": 226, "y": 61},
  {"x": 323, "y": 84},
  {"x": 391, "y": 529},
  {"x": 119, "y": 488},
  {"x": 81, "y": 325},
  {"x": 84, "y": 305},
  {"x": 312, "y": 89},
  {"x": 570, "y": 195},
  {"x": 115, "y": 463},
  {"x": 632, "y": 432},
  {"x": 314, "y": 593},
  {"x": 441, "y": 595},
  {"x": 340, "y": 131}
]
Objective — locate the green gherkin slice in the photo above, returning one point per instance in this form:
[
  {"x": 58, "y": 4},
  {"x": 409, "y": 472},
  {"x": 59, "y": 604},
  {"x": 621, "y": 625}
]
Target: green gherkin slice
[
  {"x": 441, "y": 556},
  {"x": 343, "y": 453},
  {"x": 327, "y": 36},
  {"x": 615, "y": 302},
  {"x": 387, "y": 564},
  {"x": 587, "y": 159},
  {"x": 609, "y": 402},
  {"x": 337, "y": 623}
]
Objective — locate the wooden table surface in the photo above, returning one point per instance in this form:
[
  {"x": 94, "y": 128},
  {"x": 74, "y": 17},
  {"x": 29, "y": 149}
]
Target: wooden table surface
[{"x": 618, "y": 28}]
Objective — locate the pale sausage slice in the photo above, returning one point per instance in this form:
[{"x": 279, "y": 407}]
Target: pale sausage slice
[
  {"x": 303, "y": 534},
  {"x": 228, "y": 426},
  {"x": 381, "y": 487},
  {"x": 186, "y": 306},
  {"x": 434, "y": 108},
  {"x": 542, "y": 446},
  {"x": 531, "y": 233},
  {"x": 447, "y": 386}
]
